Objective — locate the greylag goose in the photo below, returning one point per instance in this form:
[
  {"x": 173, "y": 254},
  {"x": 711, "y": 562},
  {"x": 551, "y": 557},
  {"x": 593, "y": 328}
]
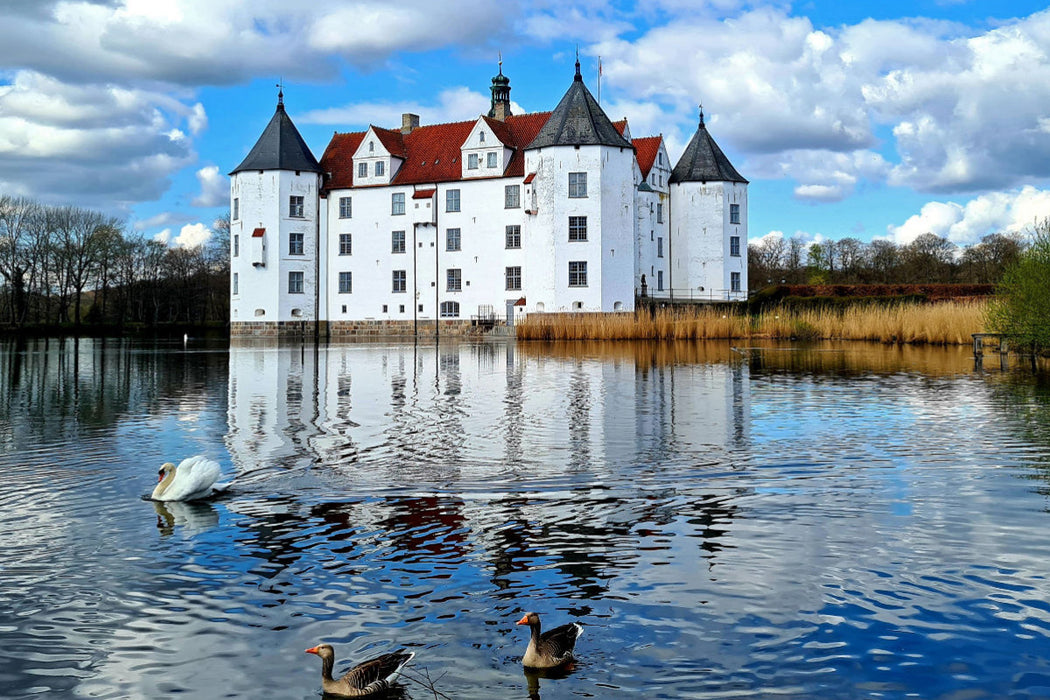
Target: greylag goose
[
  {"x": 193, "y": 479},
  {"x": 372, "y": 676},
  {"x": 552, "y": 648}
]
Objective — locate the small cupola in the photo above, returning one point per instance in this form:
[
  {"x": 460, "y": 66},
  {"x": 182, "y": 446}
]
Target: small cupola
[{"x": 500, "y": 95}]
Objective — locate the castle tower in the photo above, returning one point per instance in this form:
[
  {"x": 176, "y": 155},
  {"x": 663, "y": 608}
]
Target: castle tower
[
  {"x": 500, "y": 96},
  {"x": 708, "y": 222},
  {"x": 582, "y": 232},
  {"x": 275, "y": 226}
]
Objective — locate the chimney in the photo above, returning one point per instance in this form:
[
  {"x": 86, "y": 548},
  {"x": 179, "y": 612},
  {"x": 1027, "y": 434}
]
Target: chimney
[{"x": 409, "y": 122}]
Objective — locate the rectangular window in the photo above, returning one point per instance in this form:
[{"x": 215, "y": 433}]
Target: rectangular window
[
  {"x": 295, "y": 244},
  {"x": 734, "y": 246},
  {"x": 454, "y": 277},
  {"x": 346, "y": 209},
  {"x": 397, "y": 203},
  {"x": 660, "y": 280},
  {"x": 236, "y": 282},
  {"x": 514, "y": 278},
  {"x": 449, "y": 309},
  {"x": 734, "y": 281},
  {"x": 577, "y": 228},
  {"x": 346, "y": 282},
  {"x": 295, "y": 282},
  {"x": 577, "y": 273},
  {"x": 660, "y": 247},
  {"x": 492, "y": 159},
  {"x": 295, "y": 206},
  {"x": 346, "y": 244},
  {"x": 514, "y": 236},
  {"x": 362, "y": 169},
  {"x": 452, "y": 200},
  {"x": 734, "y": 213},
  {"x": 236, "y": 208},
  {"x": 577, "y": 185},
  {"x": 512, "y": 196},
  {"x": 399, "y": 281},
  {"x": 397, "y": 241},
  {"x": 659, "y": 213},
  {"x": 380, "y": 168},
  {"x": 452, "y": 239},
  {"x": 472, "y": 161},
  {"x": 236, "y": 245}
]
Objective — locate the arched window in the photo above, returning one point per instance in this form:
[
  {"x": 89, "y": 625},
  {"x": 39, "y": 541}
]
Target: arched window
[
  {"x": 450, "y": 309},
  {"x": 371, "y": 146}
]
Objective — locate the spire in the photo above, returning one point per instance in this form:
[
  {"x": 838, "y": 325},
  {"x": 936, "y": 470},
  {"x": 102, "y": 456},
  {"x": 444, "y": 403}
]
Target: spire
[
  {"x": 281, "y": 146},
  {"x": 579, "y": 76},
  {"x": 579, "y": 120},
  {"x": 703, "y": 160}
]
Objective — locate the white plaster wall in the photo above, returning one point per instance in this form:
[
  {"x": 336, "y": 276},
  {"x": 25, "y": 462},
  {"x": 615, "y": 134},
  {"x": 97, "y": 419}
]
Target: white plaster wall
[
  {"x": 616, "y": 229},
  {"x": 700, "y": 232},
  {"x": 482, "y": 257},
  {"x": 264, "y": 204}
]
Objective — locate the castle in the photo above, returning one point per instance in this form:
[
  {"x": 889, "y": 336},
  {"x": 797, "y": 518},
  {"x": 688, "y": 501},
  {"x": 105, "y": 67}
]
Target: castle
[{"x": 434, "y": 228}]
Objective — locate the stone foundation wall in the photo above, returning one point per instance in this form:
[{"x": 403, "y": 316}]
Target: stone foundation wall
[
  {"x": 339, "y": 330},
  {"x": 273, "y": 329}
]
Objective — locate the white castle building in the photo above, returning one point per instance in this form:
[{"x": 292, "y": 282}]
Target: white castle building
[{"x": 436, "y": 227}]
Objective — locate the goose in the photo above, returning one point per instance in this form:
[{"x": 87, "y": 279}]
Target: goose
[
  {"x": 550, "y": 649},
  {"x": 193, "y": 479},
  {"x": 372, "y": 676}
]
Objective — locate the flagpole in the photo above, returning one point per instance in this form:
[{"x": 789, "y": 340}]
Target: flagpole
[{"x": 599, "y": 79}]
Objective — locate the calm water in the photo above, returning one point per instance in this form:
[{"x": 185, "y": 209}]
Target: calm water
[{"x": 725, "y": 523}]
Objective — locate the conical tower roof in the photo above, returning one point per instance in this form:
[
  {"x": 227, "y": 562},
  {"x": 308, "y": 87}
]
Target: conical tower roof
[
  {"x": 578, "y": 120},
  {"x": 280, "y": 147},
  {"x": 703, "y": 161}
]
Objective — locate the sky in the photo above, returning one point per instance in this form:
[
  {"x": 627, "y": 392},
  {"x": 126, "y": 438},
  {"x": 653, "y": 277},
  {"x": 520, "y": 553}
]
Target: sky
[{"x": 869, "y": 120}]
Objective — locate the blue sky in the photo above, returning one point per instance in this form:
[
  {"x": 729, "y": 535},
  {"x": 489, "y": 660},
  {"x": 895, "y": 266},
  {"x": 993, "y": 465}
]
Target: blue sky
[{"x": 885, "y": 119}]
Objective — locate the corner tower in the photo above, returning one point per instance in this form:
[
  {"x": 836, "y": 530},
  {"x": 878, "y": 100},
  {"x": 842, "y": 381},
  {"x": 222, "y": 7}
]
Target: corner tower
[
  {"x": 274, "y": 234},
  {"x": 708, "y": 223},
  {"x": 581, "y": 227}
]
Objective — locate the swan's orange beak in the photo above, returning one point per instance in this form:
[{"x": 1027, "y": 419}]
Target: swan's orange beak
[
  {"x": 523, "y": 621},
  {"x": 311, "y": 650}
]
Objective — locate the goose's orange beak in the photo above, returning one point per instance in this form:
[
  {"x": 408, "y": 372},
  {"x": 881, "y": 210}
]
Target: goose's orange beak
[
  {"x": 523, "y": 621},
  {"x": 311, "y": 650}
]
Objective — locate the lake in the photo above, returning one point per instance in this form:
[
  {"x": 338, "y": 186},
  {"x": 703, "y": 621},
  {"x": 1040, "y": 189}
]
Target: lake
[{"x": 832, "y": 521}]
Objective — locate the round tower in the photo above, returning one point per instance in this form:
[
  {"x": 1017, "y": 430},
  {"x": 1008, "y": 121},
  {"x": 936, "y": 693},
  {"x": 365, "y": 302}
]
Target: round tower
[{"x": 275, "y": 234}]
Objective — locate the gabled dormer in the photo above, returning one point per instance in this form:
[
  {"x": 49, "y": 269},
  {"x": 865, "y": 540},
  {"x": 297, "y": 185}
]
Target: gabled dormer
[
  {"x": 379, "y": 157},
  {"x": 654, "y": 165},
  {"x": 486, "y": 151}
]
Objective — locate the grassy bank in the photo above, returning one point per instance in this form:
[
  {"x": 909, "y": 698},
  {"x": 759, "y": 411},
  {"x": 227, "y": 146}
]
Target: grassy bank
[{"x": 947, "y": 323}]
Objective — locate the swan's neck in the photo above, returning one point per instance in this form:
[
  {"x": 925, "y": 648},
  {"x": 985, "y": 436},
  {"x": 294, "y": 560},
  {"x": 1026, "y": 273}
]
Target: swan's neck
[{"x": 164, "y": 484}]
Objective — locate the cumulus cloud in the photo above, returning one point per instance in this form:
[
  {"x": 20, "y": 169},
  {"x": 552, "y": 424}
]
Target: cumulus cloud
[
  {"x": 189, "y": 236},
  {"x": 963, "y": 224},
  {"x": 215, "y": 188},
  {"x": 454, "y": 104}
]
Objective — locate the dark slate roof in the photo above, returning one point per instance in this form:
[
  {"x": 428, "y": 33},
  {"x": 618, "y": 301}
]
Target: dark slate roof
[
  {"x": 280, "y": 147},
  {"x": 579, "y": 120},
  {"x": 703, "y": 161}
]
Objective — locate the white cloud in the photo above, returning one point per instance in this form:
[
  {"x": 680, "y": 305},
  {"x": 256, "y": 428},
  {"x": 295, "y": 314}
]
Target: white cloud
[
  {"x": 963, "y": 224},
  {"x": 215, "y": 188},
  {"x": 189, "y": 236}
]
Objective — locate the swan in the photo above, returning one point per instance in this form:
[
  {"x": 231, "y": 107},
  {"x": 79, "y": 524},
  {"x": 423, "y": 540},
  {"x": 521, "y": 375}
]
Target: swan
[
  {"x": 193, "y": 479},
  {"x": 550, "y": 649},
  {"x": 367, "y": 678}
]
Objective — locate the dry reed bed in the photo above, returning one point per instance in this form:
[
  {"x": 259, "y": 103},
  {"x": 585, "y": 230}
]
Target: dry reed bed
[{"x": 947, "y": 323}]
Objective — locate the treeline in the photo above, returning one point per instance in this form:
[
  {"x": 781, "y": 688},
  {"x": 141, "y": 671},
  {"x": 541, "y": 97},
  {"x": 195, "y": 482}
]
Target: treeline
[
  {"x": 68, "y": 266},
  {"x": 928, "y": 259}
]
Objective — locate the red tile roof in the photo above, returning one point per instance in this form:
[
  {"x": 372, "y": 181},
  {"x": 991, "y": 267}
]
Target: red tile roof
[
  {"x": 646, "y": 150},
  {"x": 423, "y": 194},
  {"x": 258, "y": 233},
  {"x": 392, "y": 140},
  {"x": 530, "y": 177},
  {"x": 338, "y": 160}
]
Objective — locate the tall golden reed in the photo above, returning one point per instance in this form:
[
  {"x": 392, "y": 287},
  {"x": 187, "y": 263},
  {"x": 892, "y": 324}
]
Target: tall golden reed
[{"x": 946, "y": 323}]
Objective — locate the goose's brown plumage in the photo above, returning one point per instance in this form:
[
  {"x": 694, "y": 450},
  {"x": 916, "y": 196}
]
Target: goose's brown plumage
[
  {"x": 372, "y": 676},
  {"x": 549, "y": 649}
]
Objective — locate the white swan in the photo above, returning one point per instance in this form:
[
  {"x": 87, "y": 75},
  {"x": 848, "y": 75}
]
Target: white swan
[{"x": 193, "y": 479}]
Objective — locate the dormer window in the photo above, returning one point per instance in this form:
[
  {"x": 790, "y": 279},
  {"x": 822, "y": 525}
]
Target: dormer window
[
  {"x": 362, "y": 169},
  {"x": 380, "y": 168},
  {"x": 472, "y": 161},
  {"x": 492, "y": 159},
  {"x": 371, "y": 146},
  {"x": 481, "y": 136}
]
